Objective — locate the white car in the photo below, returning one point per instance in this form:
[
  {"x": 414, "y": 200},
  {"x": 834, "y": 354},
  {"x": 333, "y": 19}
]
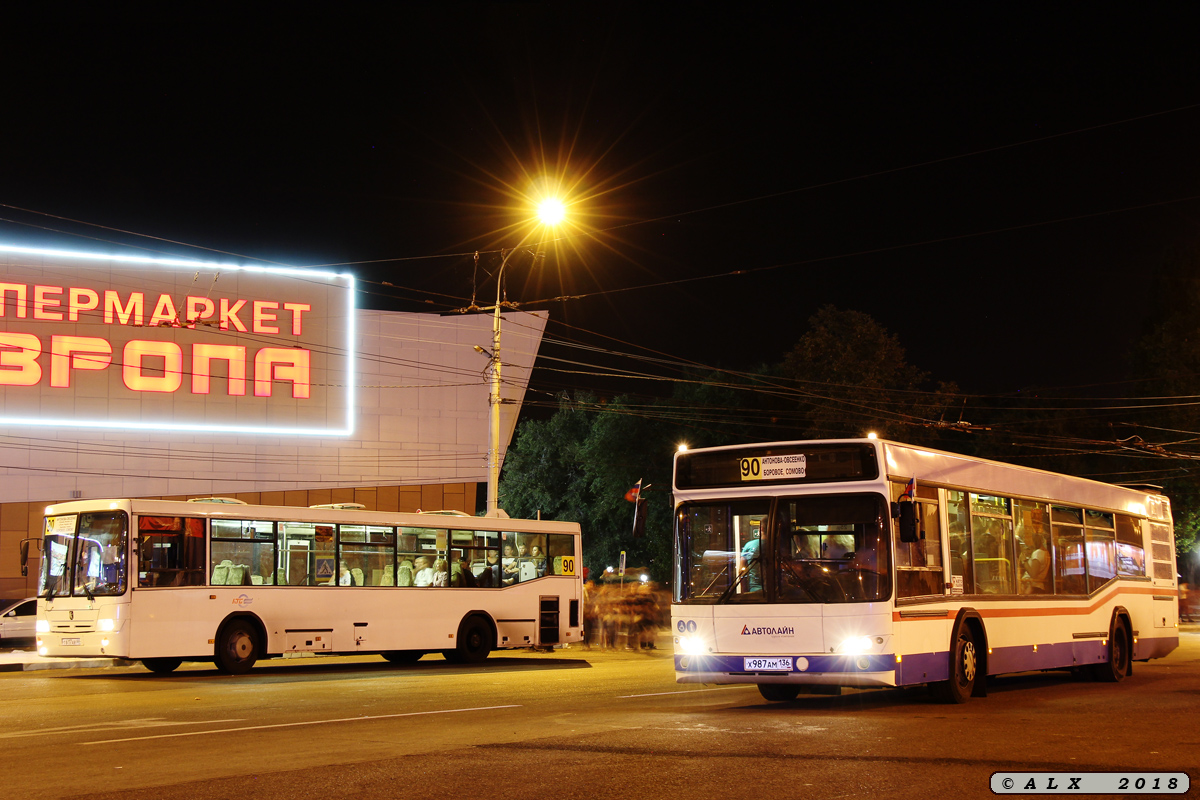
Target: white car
[{"x": 17, "y": 620}]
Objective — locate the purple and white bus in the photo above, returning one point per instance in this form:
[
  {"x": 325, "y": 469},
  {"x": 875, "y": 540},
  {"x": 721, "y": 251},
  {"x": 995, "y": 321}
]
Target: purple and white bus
[{"x": 813, "y": 565}]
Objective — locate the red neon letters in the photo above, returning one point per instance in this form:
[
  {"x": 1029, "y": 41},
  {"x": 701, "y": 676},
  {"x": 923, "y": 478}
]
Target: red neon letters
[{"x": 152, "y": 366}]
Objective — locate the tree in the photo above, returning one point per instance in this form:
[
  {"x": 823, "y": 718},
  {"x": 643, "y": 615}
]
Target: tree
[
  {"x": 578, "y": 465},
  {"x": 852, "y": 377},
  {"x": 543, "y": 469}
]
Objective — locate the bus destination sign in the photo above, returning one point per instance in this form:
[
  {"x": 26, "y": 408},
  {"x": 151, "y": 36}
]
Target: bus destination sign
[
  {"x": 756, "y": 468},
  {"x": 811, "y": 462}
]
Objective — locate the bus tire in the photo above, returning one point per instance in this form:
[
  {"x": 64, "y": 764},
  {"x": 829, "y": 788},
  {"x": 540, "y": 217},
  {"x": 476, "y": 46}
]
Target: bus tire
[
  {"x": 779, "y": 692},
  {"x": 964, "y": 669},
  {"x": 237, "y": 647},
  {"x": 403, "y": 656},
  {"x": 474, "y": 642},
  {"x": 162, "y": 666},
  {"x": 1116, "y": 667}
]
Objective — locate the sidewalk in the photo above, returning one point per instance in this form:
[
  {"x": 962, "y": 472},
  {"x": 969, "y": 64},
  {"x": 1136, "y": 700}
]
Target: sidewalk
[{"x": 15, "y": 660}]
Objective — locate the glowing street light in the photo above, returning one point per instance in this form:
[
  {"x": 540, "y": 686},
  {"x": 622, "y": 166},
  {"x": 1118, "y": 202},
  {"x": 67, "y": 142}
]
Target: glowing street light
[{"x": 550, "y": 212}]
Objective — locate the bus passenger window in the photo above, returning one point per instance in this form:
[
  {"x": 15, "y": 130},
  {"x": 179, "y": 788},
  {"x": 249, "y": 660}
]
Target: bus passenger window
[
  {"x": 171, "y": 551},
  {"x": 962, "y": 571},
  {"x": 919, "y": 563}
]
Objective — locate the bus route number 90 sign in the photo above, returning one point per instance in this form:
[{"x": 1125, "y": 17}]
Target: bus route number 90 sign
[
  {"x": 568, "y": 565},
  {"x": 759, "y": 468}
]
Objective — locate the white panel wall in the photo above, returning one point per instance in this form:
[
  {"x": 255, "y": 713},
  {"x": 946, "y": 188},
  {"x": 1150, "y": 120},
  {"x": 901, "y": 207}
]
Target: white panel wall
[{"x": 422, "y": 417}]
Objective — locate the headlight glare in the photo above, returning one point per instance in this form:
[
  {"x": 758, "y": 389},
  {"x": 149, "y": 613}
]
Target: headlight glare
[{"x": 855, "y": 645}]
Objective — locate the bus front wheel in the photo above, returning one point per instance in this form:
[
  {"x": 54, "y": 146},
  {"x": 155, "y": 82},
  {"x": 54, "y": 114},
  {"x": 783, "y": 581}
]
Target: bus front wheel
[
  {"x": 778, "y": 692},
  {"x": 964, "y": 663},
  {"x": 161, "y": 666},
  {"x": 237, "y": 647}
]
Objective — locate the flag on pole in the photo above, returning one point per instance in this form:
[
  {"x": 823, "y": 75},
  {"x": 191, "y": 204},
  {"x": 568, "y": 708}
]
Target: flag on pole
[
  {"x": 910, "y": 491},
  {"x": 633, "y": 494}
]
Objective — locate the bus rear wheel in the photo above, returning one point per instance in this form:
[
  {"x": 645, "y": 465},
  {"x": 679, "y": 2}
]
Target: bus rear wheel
[
  {"x": 161, "y": 666},
  {"x": 778, "y": 692},
  {"x": 403, "y": 656},
  {"x": 1116, "y": 667},
  {"x": 964, "y": 663},
  {"x": 474, "y": 642},
  {"x": 237, "y": 647}
]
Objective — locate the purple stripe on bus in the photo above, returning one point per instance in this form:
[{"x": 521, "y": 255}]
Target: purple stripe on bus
[
  {"x": 917, "y": 668},
  {"x": 815, "y": 663}
]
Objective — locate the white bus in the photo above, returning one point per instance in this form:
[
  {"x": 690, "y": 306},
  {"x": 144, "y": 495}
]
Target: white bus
[
  {"x": 866, "y": 563},
  {"x": 165, "y": 582}
]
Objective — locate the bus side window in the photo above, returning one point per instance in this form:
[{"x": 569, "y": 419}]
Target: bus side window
[
  {"x": 1131, "y": 555},
  {"x": 171, "y": 551},
  {"x": 560, "y": 548},
  {"x": 919, "y": 563},
  {"x": 243, "y": 552}
]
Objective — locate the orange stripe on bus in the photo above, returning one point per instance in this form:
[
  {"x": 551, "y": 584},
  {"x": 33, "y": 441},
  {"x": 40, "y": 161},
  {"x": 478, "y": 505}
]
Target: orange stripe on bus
[{"x": 1056, "y": 610}]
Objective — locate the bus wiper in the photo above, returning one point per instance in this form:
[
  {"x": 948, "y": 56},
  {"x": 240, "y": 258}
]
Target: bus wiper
[
  {"x": 718, "y": 577},
  {"x": 49, "y": 592},
  {"x": 87, "y": 590}
]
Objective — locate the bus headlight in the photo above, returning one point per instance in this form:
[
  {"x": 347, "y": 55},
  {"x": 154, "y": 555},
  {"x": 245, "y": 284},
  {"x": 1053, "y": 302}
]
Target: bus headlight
[
  {"x": 108, "y": 624},
  {"x": 42, "y": 626},
  {"x": 692, "y": 645},
  {"x": 855, "y": 645}
]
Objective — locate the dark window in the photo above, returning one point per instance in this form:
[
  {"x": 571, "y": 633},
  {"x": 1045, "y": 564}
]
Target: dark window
[{"x": 171, "y": 552}]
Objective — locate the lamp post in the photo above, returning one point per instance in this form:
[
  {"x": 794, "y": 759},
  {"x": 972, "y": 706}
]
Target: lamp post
[{"x": 550, "y": 213}]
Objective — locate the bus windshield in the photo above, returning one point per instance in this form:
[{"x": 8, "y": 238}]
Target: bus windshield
[
  {"x": 810, "y": 549},
  {"x": 84, "y": 555}
]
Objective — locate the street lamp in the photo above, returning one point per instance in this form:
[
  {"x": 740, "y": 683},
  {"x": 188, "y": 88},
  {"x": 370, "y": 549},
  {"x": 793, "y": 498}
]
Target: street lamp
[{"x": 551, "y": 212}]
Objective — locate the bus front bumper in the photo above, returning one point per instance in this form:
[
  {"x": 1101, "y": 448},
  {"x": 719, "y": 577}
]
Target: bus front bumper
[{"x": 878, "y": 669}]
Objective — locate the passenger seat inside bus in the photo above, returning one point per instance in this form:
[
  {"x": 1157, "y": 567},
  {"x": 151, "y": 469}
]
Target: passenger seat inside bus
[{"x": 220, "y": 576}]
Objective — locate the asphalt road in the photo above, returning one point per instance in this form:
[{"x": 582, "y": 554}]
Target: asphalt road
[{"x": 566, "y": 724}]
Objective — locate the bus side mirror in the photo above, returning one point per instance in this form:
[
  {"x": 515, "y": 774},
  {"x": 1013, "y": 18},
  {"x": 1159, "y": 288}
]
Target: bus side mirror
[
  {"x": 25, "y": 553},
  {"x": 908, "y": 522}
]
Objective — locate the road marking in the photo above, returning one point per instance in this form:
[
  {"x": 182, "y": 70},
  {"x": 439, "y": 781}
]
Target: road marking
[
  {"x": 298, "y": 724},
  {"x": 151, "y": 722},
  {"x": 685, "y": 691}
]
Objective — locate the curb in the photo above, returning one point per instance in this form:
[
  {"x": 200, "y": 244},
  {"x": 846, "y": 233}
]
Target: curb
[{"x": 79, "y": 663}]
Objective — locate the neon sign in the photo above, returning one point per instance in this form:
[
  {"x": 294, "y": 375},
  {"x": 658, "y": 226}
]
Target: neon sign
[{"x": 170, "y": 344}]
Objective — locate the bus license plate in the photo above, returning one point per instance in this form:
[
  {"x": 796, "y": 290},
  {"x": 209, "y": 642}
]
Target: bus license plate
[
  {"x": 767, "y": 664},
  {"x": 72, "y": 641}
]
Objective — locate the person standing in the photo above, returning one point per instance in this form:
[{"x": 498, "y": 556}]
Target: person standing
[{"x": 750, "y": 563}]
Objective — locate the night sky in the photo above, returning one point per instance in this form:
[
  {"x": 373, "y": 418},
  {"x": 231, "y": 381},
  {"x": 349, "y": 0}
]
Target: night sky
[{"x": 997, "y": 185}]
